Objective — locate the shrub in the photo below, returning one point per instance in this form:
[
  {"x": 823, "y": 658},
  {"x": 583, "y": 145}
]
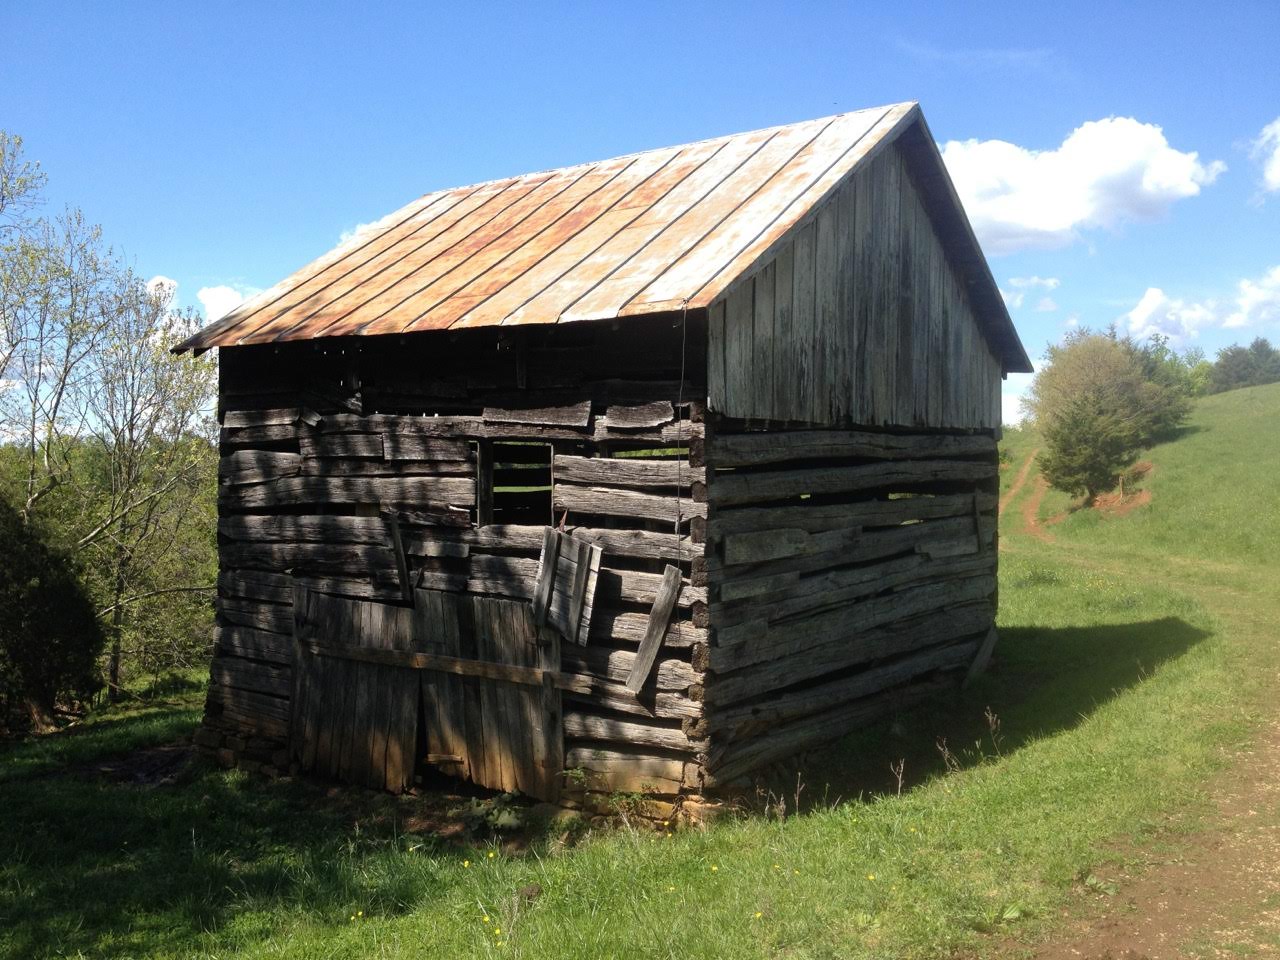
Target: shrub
[
  {"x": 1099, "y": 401},
  {"x": 50, "y": 635}
]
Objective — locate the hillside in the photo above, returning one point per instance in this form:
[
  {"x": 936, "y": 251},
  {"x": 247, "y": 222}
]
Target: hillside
[{"x": 1137, "y": 657}]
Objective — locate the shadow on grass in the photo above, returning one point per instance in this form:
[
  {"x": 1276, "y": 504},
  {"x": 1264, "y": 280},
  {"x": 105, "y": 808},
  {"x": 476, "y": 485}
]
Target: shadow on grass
[
  {"x": 1040, "y": 682},
  {"x": 112, "y": 870}
]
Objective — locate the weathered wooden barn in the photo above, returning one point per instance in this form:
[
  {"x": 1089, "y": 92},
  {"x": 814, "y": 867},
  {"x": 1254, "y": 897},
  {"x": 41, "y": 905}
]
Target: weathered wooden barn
[{"x": 641, "y": 474}]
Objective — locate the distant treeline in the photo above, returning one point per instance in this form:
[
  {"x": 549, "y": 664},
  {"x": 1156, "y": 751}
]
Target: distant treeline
[{"x": 1238, "y": 366}]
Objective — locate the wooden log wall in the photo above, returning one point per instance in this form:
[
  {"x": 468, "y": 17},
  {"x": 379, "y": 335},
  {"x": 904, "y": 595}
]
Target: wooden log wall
[
  {"x": 860, "y": 319},
  {"x": 852, "y": 572},
  {"x": 351, "y": 465}
]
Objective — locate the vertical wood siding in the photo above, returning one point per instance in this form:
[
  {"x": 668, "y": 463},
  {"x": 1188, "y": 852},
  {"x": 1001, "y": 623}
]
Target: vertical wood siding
[{"x": 860, "y": 319}]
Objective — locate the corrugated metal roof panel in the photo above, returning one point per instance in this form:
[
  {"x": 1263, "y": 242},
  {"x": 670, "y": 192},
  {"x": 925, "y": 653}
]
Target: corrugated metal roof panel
[
  {"x": 645, "y": 233},
  {"x": 630, "y": 235}
]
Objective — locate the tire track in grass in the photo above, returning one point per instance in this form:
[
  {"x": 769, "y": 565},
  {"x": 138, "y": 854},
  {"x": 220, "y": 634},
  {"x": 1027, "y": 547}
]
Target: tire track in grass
[{"x": 1018, "y": 482}]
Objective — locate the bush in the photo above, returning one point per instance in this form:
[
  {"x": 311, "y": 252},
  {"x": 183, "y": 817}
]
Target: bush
[
  {"x": 50, "y": 636},
  {"x": 1101, "y": 400}
]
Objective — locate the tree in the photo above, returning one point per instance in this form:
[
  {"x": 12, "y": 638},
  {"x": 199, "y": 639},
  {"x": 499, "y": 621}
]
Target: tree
[
  {"x": 106, "y": 440},
  {"x": 152, "y": 449},
  {"x": 1249, "y": 366},
  {"x": 1098, "y": 402}
]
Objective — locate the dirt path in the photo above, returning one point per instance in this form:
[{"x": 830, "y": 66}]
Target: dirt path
[
  {"x": 1018, "y": 482},
  {"x": 1216, "y": 891},
  {"x": 1215, "y": 894},
  {"x": 1031, "y": 524}
]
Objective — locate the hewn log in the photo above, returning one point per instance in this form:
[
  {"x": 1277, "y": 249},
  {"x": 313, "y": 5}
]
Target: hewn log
[
  {"x": 743, "y": 645},
  {"x": 626, "y": 770},
  {"x": 260, "y": 418},
  {"x": 354, "y": 558},
  {"x": 838, "y": 653},
  {"x": 275, "y": 617},
  {"x": 604, "y": 501},
  {"x": 784, "y": 446},
  {"x": 252, "y": 676},
  {"x": 589, "y": 726},
  {"x": 627, "y": 472},
  {"x": 314, "y": 467},
  {"x": 817, "y": 518},
  {"x": 838, "y": 547},
  {"x": 256, "y": 466},
  {"x": 838, "y": 587},
  {"x": 569, "y": 415},
  {"x": 615, "y": 666},
  {"x": 342, "y": 445},
  {"x": 475, "y": 428},
  {"x": 657, "y": 704},
  {"x": 653, "y": 414},
  {"x": 754, "y": 718},
  {"x": 254, "y": 644},
  {"x": 294, "y": 528},
  {"x": 276, "y": 433},
  {"x": 411, "y": 492},
  {"x": 789, "y": 740},
  {"x": 741, "y": 488}
]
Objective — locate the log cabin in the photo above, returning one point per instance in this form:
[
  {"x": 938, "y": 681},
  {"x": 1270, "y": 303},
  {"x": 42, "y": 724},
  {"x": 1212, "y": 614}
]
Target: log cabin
[{"x": 636, "y": 475}]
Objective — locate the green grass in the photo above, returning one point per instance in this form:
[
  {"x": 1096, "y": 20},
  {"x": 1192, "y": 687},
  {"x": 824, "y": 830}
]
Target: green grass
[{"x": 1133, "y": 653}]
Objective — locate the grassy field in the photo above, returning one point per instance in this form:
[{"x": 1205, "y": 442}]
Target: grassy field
[{"x": 1134, "y": 651}]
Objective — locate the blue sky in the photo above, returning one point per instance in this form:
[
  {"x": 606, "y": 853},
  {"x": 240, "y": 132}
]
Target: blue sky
[{"x": 1115, "y": 158}]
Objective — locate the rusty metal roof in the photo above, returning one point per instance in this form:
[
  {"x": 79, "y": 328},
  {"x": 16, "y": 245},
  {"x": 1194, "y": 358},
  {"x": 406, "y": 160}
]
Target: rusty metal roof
[{"x": 644, "y": 233}]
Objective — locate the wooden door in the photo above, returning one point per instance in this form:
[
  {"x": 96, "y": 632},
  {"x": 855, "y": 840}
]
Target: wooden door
[
  {"x": 352, "y": 719},
  {"x": 464, "y": 683}
]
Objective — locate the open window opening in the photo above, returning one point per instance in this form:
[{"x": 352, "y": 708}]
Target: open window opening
[{"x": 514, "y": 483}]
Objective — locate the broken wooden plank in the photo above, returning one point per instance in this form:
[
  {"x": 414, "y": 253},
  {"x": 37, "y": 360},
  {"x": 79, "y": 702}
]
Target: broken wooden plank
[
  {"x": 657, "y": 628},
  {"x": 568, "y": 415}
]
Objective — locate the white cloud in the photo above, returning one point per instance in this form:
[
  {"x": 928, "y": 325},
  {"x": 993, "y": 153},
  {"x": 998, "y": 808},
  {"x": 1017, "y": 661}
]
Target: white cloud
[
  {"x": 1024, "y": 283},
  {"x": 360, "y": 231},
  {"x": 220, "y": 300},
  {"x": 1266, "y": 149},
  {"x": 1257, "y": 301},
  {"x": 1176, "y": 319},
  {"x": 160, "y": 283},
  {"x": 1046, "y": 305},
  {"x": 1021, "y": 285},
  {"x": 1106, "y": 172}
]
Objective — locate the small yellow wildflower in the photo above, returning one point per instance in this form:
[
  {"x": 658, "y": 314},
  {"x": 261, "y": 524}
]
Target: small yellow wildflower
[
  {"x": 714, "y": 868},
  {"x": 777, "y": 866},
  {"x": 359, "y": 913},
  {"x": 353, "y": 917},
  {"x": 913, "y": 829},
  {"x": 759, "y": 914},
  {"x": 795, "y": 873},
  {"x": 666, "y": 823},
  {"x": 491, "y": 854},
  {"x": 871, "y": 876},
  {"x": 486, "y": 919},
  {"x": 466, "y": 863},
  {"x": 671, "y": 889},
  {"x": 497, "y": 931}
]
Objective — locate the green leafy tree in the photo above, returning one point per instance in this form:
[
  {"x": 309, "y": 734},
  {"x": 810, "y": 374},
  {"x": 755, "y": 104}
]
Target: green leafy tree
[
  {"x": 107, "y": 441},
  {"x": 1098, "y": 402}
]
